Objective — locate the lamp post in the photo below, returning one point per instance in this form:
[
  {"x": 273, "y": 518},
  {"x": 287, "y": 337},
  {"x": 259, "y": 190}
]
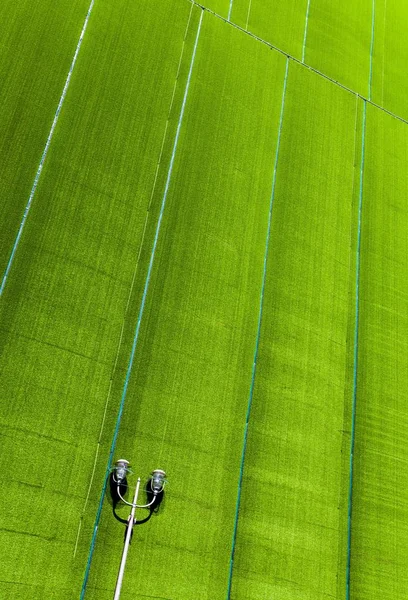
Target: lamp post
[{"x": 119, "y": 486}]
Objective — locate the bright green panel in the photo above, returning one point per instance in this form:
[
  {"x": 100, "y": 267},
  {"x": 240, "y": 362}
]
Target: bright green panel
[
  {"x": 186, "y": 402},
  {"x": 65, "y": 301},
  {"x": 289, "y": 521},
  {"x": 220, "y": 7},
  {"x": 389, "y": 86},
  {"x": 279, "y": 23},
  {"x": 37, "y": 44},
  {"x": 338, "y": 41},
  {"x": 380, "y": 513}
]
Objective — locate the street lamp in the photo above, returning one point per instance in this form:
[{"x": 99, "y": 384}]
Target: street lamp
[{"x": 119, "y": 487}]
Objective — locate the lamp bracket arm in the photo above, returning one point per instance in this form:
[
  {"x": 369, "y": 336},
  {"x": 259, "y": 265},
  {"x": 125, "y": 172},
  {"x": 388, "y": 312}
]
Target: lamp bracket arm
[
  {"x": 146, "y": 505},
  {"x": 131, "y": 503},
  {"x": 122, "y": 498}
]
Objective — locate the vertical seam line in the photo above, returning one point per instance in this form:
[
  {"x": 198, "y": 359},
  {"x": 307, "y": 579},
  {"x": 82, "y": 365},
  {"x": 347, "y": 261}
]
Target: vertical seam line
[
  {"x": 254, "y": 364},
  {"x": 305, "y": 32},
  {"x": 355, "y": 354},
  {"x": 371, "y": 51},
  {"x": 230, "y": 10},
  {"x": 45, "y": 151},
  {"x": 357, "y": 313},
  {"x": 248, "y": 13},
  {"x": 140, "y": 315}
]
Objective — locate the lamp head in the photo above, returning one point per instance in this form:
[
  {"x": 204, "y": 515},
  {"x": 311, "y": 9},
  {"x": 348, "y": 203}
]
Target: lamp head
[
  {"x": 121, "y": 469},
  {"x": 158, "y": 480}
]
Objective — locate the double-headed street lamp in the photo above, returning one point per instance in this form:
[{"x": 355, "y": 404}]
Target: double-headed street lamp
[{"x": 118, "y": 487}]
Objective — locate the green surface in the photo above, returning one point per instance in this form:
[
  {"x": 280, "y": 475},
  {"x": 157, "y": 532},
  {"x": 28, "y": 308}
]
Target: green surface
[
  {"x": 37, "y": 43},
  {"x": 72, "y": 300},
  {"x": 288, "y": 531},
  {"x": 390, "y": 87},
  {"x": 187, "y": 398},
  {"x": 66, "y": 297},
  {"x": 279, "y": 23},
  {"x": 220, "y": 7},
  {"x": 380, "y": 531}
]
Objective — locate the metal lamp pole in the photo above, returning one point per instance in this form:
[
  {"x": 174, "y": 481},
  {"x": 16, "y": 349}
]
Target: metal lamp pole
[
  {"x": 119, "y": 487},
  {"x": 131, "y": 524}
]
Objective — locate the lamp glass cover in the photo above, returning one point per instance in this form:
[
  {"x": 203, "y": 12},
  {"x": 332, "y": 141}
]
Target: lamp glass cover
[
  {"x": 158, "y": 480},
  {"x": 121, "y": 469}
]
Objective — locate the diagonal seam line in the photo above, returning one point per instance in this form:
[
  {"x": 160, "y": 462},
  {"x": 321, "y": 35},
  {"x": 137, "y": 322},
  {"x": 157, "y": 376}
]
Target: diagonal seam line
[
  {"x": 299, "y": 62},
  {"x": 141, "y": 310},
  {"x": 45, "y": 151},
  {"x": 258, "y": 335},
  {"x": 305, "y": 33},
  {"x": 355, "y": 359}
]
